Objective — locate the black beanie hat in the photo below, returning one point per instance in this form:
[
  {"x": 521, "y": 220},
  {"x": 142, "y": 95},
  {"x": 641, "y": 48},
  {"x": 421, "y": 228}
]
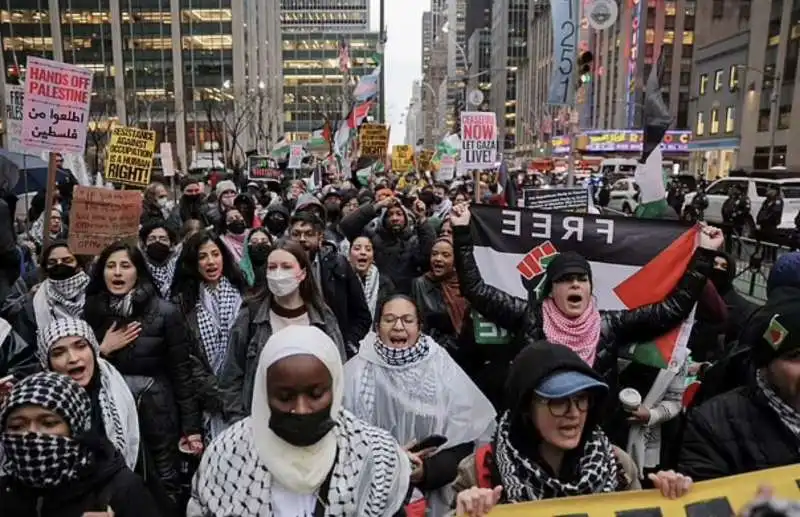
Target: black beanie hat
[
  {"x": 563, "y": 264},
  {"x": 775, "y": 331}
]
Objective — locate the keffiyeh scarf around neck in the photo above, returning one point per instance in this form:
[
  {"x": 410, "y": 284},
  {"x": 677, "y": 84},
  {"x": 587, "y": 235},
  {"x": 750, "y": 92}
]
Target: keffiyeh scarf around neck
[
  {"x": 581, "y": 334},
  {"x": 403, "y": 356},
  {"x": 60, "y": 298},
  {"x": 788, "y": 415},
  {"x": 164, "y": 273},
  {"x": 217, "y": 308},
  {"x": 524, "y": 480},
  {"x": 371, "y": 287}
]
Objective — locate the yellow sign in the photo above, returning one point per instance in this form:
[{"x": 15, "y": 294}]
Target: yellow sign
[
  {"x": 130, "y": 156},
  {"x": 424, "y": 160},
  {"x": 725, "y": 496},
  {"x": 374, "y": 139},
  {"x": 402, "y": 158}
]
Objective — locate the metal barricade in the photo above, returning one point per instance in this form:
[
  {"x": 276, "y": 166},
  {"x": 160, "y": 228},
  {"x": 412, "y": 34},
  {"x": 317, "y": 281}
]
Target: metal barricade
[{"x": 754, "y": 260}]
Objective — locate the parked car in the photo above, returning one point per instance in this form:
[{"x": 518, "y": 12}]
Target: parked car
[{"x": 623, "y": 196}]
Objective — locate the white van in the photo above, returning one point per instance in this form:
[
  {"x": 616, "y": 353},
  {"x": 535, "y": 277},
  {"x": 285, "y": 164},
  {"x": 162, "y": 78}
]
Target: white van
[{"x": 614, "y": 168}]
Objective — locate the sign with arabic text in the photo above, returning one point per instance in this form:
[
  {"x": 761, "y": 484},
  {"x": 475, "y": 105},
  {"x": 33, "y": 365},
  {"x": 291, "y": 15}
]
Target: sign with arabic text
[
  {"x": 565, "y": 50},
  {"x": 14, "y": 100},
  {"x": 100, "y": 216},
  {"x": 402, "y": 158},
  {"x": 130, "y": 156},
  {"x": 374, "y": 139},
  {"x": 55, "y": 106},
  {"x": 629, "y": 140}
]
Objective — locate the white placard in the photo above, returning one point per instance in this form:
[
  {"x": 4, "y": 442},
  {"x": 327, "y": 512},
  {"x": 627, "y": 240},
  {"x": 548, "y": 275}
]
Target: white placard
[
  {"x": 295, "y": 156},
  {"x": 14, "y": 100},
  {"x": 167, "y": 165}
]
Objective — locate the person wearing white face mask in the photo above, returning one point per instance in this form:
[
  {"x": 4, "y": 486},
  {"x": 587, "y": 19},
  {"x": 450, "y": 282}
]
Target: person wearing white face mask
[
  {"x": 291, "y": 297},
  {"x": 156, "y": 205}
]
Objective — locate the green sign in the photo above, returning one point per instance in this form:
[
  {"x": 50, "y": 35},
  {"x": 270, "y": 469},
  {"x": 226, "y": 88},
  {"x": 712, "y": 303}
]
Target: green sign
[{"x": 487, "y": 333}]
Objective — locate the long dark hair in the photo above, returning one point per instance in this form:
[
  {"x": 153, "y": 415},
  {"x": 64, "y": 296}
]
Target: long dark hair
[
  {"x": 187, "y": 279},
  {"x": 82, "y": 260},
  {"x": 310, "y": 292}
]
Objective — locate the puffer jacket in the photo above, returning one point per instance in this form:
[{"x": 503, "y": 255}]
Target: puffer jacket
[
  {"x": 402, "y": 256},
  {"x": 248, "y": 337},
  {"x": 17, "y": 357},
  {"x": 523, "y": 318},
  {"x": 735, "y": 433}
]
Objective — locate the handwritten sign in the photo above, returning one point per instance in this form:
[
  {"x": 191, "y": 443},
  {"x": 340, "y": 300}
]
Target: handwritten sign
[
  {"x": 14, "y": 100},
  {"x": 402, "y": 158},
  {"x": 478, "y": 140},
  {"x": 565, "y": 46},
  {"x": 724, "y": 496},
  {"x": 130, "y": 156},
  {"x": 56, "y": 106},
  {"x": 562, "y": 199},
  {"x": 100, "y": 216},
  {"x": 263, "y": 168},
  {"x": 374, "y": 140}
]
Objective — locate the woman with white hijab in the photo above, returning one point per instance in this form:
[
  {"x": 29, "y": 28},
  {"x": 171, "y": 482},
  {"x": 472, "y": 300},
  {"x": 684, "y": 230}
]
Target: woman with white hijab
[
  {"x": 69, "y": 346},
  {"x": 299, "y": 452}
]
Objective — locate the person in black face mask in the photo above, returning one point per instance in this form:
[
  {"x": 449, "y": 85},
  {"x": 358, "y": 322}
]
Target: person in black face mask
[
  {"x": 328, "y": 460},
  {"x": 192, "y": 205},
  {"x": 276, "y": 219},
  {"x": 254, "y": 259},
  {"x": 158, "y": 243}
]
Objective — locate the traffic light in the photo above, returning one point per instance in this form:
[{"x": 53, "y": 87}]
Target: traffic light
[{"x": 585, "y": 60}]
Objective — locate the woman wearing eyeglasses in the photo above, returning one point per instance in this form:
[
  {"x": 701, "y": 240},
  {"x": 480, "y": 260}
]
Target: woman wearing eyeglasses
[{"x": 549, "y": 443}]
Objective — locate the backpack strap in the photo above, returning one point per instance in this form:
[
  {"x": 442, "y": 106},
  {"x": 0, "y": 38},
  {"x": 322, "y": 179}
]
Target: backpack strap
[{"x": 483, "y": 466}]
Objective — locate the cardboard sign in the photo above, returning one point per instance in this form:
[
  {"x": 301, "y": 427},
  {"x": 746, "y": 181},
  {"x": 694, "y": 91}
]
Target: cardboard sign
[
  {"x": 724, "y": 496},
  {"x": 402, "y": 158},
  {"x": 263, "y": 168},
  {"x": 564, "y": 199},
  {"x": 478, "y": 140},
  {"x": 130, "y": 156},
  {"x": 295, "y": 156},
  {"x": 100, "y": 216},
  {"x": 374, "y": 139},
  {"x": 56, "y": 106},
  {"x": 424, "y": 160},
  {"x": 14, "y": 101}
]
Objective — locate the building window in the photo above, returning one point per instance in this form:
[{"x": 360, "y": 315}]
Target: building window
[
  {"x": 785, "y": 116},
  {"x": 730, "y": 119},
  {"x": 733, "y": 78},
  {"x": 703, "y": 83},
  {"x": 700, "y": 125},
  {"x": 763, "y": 120},
  {"x": 717, "y": 9},
  {"x": 717, "y": 80},
  {"x": 714, "y": 122}
]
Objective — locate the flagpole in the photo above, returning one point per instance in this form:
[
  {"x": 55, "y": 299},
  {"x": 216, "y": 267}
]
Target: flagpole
[{"x": 382, "y": 78}]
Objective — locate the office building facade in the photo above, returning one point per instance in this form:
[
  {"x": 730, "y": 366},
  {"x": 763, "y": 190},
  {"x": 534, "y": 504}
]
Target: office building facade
[{"x": 509, "y": 34}]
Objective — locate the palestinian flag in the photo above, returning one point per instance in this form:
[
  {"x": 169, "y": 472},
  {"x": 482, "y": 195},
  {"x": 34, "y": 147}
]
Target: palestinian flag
[{"x": 634, "y": 262}]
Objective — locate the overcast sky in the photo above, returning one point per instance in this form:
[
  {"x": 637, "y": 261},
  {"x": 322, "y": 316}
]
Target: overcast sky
[{"x": 403, "y": 56}]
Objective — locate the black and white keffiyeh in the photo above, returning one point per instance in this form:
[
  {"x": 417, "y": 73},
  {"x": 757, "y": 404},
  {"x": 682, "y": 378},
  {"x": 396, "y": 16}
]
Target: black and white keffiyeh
[
  {"x": 371, "y": 286},
  {"x": 404, "y": 356},
  {"x": 369, "y": 479},
  {"x": 217, "y": 308},
  {"x": 44, "y": 460},
  {"x": 164, "y": 273},
  {"x": 60, "y": 298},
  {"x": 117, "y": 405},
  {"x": 523, "y": 480},
  {"x": 788, "y": 415},
  {"x": 122, "y": 305}
]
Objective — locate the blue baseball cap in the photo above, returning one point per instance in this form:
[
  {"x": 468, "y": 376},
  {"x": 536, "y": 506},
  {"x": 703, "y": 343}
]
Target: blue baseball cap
[{"x": 567, "y": 383}]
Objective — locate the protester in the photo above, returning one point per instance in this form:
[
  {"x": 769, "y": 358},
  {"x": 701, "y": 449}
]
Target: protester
[
  {"x": 233, "y": 233},
  {"x": 254, "y": 259},
  {"x": 68, "y": 346},
  {"x": 55, "y": 466},
  {"x": 292, "y": 298},
  {"x": 246, "y": 206},
  {"x": 144, "y": 338},
  {"x": 208, "y": 289},
  {"x": 192, "y": 205},
  {"x": 156, "y": 205},
  {"x": 376, "y": 285},
  {"x": 549, "y": 443},
  {"x": 300, "y": 452},
  {"x": 54, "y": 226},
  {"x": 340, "y": 286},
  {"x": 404, "y": 382},
  {"x": 191, "y": 227},
  {"x": 276, "y": 220},
  {"x": 161, "y": 251},
  {"x": 9, "y": 256}
]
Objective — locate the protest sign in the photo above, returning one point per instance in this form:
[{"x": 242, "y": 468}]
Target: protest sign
[
  {"x": 478, "y": 140},
  {"x": 295, "y": 156},
  {"x": 402, "y": 158},
  {"x": 100, "y": 216},
  {"x": 130, "y": 156},
  {"x": 263, "y": 168},
  {"x": 719, "y": 497},
  {"x": 424, "y": 160},
  {"x": 566, "y": 199},
  {"x": 565, "y": 48},
  {"x": 167, "y": 163},
  {"x": 374, "y": 139},
  {"x": 447, "y": 169},
  {"x": 634, "y": 262},
  {"x": 14, "y": 101},
  {"x": 55, "y": 106}
]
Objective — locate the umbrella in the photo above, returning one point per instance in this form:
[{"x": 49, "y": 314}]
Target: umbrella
[{"x": 25, "y": 173}]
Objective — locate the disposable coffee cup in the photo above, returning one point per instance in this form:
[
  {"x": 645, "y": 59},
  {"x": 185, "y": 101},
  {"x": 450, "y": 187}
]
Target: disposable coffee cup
[{"x": 630, "y": 399}]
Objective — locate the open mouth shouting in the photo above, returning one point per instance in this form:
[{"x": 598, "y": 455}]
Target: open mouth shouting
[{"x": 79, "y": 374}]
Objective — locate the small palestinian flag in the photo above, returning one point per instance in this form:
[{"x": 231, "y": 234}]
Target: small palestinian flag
[{"x": 776, "y": 333}]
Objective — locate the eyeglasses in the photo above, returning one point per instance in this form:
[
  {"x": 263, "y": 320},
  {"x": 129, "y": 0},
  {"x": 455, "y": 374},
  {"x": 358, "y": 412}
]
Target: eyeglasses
[
  {"x": 391, "y": 319},
  {"x": 562, "y": 407}
]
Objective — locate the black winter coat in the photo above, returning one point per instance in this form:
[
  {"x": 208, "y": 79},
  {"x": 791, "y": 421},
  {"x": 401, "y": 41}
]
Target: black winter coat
[
  {"x": 401, "y": 256},
  {"x": 106, "y": 483},
  {"x": 437, "y": 323},
  {"x": 619, "y": 328},
  {"x": 17, "y": 357},
  {"x": 735, "y": 433},
  {"x": 161, "y": 351}
]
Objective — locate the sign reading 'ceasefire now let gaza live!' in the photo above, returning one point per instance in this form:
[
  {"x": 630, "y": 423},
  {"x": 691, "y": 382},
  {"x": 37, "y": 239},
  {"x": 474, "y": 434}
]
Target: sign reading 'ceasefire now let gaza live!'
[{"x": 478, "y": 140}]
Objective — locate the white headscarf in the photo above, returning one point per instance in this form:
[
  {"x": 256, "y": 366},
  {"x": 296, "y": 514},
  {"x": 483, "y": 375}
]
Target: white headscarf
[{"x": 301, "y": 469}]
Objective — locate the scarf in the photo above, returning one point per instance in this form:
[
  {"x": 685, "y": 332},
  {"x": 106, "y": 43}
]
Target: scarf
[
  {"x": 403, "y": 356},
  {"x": 36, "y": 233},
  {"x": 580, "y": 334},
  {"x": 164, "y": 273},
  {"x": 117, "y": 405},
  {"x": 60, "y": 298},
  {"x": 122, "y": 306},
  {"x": 371, "y": 286},
  {"x": 787, "y": 414},
  {"x": 217, "y": 309},
  {"x": 235, "y": 244},
  {"x": 43, "y": 460},
  {"x": 456, "y": 305},
  {"x": 524, "y": 480}
]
